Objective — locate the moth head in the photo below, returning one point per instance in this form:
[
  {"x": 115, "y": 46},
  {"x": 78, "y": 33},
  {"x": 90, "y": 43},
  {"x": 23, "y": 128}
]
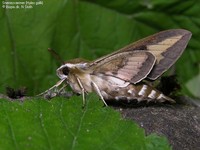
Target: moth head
[
  {"x": 63, "y": 71},
  {"x": 74, "y": 64}
]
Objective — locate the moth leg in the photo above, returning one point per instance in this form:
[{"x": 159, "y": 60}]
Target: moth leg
[
  {"x": 82, "y": 91},
  {"x": 64, "y": 86},
  {"x": 97, "y": 90},
  {"x": 55, "y": 86}
]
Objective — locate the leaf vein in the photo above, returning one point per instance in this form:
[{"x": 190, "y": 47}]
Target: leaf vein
[
  {"x": 63, "y": 122},
  {"x": 11, "y": 128},
  {"x": 78, "y": 129},
  {"x": 41, "y": 120}
]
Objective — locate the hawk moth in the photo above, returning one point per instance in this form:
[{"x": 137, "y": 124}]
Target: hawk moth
[{"x": 119, "y": 75}]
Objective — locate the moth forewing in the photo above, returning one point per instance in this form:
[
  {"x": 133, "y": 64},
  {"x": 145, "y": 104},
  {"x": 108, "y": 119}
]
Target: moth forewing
[
  {"x": 130, "y": 66},
  {"x": 167, "y": 46}
]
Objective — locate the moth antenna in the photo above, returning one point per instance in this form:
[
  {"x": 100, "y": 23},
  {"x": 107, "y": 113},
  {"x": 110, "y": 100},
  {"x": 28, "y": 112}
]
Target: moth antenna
[{"x": 56, "y": 55}]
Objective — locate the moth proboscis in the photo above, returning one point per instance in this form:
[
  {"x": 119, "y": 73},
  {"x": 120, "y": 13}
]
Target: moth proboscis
[{"x": 120, "y": 75}]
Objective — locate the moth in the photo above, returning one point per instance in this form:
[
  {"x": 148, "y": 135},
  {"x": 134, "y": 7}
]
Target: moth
[{"x": 121, "y": 74}]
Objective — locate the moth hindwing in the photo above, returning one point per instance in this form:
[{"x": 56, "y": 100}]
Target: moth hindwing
[{"x": 119, "y": 75}]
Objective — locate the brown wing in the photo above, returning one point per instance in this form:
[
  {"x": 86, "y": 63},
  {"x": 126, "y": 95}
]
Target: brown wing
[
  {"x": 167, "y": 46},
  {"x": 129, "y": 66}
]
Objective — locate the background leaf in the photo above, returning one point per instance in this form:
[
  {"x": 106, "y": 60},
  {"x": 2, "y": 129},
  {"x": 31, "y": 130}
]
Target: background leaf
[
  {"x": 87, "y": 29},
  {"x": 62, "y": 124}
]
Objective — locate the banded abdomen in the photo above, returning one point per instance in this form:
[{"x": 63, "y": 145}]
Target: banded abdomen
[{"x": 139, "y": 92}]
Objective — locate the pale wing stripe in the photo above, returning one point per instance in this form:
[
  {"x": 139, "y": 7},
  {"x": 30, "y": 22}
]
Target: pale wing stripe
[
  {"x": 157, "y": 49},
  {"x": 166, "y": 43}
]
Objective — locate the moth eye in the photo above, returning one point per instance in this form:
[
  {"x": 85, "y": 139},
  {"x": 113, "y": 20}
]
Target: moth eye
[{"x": 65, "y": 71}]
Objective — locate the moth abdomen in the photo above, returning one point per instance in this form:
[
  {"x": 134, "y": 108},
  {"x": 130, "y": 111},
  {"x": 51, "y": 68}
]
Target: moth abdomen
[
  {"x": 138, "y": 92},
  {"x": 148, "y": 93}
]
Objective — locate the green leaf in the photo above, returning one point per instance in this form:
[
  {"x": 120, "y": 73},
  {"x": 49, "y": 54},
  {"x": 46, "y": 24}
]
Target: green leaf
[{"x": 63, "y": 124}]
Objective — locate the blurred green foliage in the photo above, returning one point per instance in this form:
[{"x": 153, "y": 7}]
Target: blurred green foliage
[{"x": 87, "y": 29}]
